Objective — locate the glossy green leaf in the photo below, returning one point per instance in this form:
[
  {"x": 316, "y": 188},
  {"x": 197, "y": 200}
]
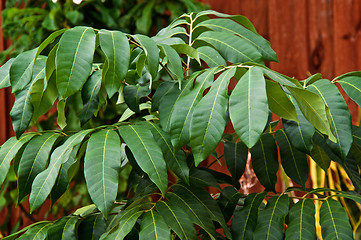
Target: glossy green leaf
[
  {"x": 163, "y": 89},
  {"x": 21, "y": 70},
  {"x": 302, "y": 221},
  {"x": 203, "y": 178},
  {"x": 147, "y": 153},
  {"x": 278, "y": 77},
  {"x": 64, "y": 228},
  {"x": 312, "y": 79},
  {"x": 38, "y": 232},
  {"x": 5, "y": 74},
  {"x": 50, "y": 62},
  {"x": 293, "y": 161},
  {"x": 43, "y": 95},
  {"x": 62, "y": 181},
  {"x": 211, "y": 56},
  {"x": 229, "y": 26},
  {"x": 187, "y": 50},
  {"x": 238, "y": 18},
  {"x": 183, "y": 109},
  {"x": 279, "y": 103},
  {"x": 201, "y": 196},
  {"x": 8, "y": 151},
  {"x": 314, "y": 109},
  {"x": 128, "y": 113},
  {"x": 351, "y": 84},
  {"x": 209, "y": 118},
  {"x": 14, "y": 235},
  {"x": 340, "y": 116},
  {"x": 300, "y": 133},
  {"x": 194, "y": 209},
  {"x": 89, "y": 94},
  {"x": 248, "y": 108},
  {"x": 44, "y": 182},
  {"x": 74, "y": 59},
  {"x": 228, "y": 201},
  {"x": 174, "y": 63},
  {"x": 334, "y": 221},
  {"x": 165, "y": 36},
  {"x": 92, "y": 227},
  {"x": 320, "y": 157},
  {"x": 101, "y": 168},
  {"x": 133, "y": 94},
  {"x": 176, "y": 161},
  {"x": 177, "y": 220},
  {"x": 33, "y": 161},
  {"x": 126, "y": 223},
  {"x": 140, "y": 64},
  {"x": 235, "y": 155},
  {"x": 115, "y": 46},
  {"x": 49, "y": 40},
  {"x": 271, "y": 220},
  {"x": 153, "y": 226},
  {"x": 22, "y": 110},
  {"x": 244, "y": 221},
  {"x": 265, "y": 161},
  {"x": 61, "y": 118},
  {"x": 167, "y": 104},
  {"x": 233, "y": 48},
  {"x": 151, "y": 52}
]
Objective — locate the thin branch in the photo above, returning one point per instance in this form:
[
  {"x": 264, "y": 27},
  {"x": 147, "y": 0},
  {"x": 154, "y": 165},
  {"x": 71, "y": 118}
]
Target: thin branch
[
  {"x": 28, "y": 215},
  {"x": 166, "y": 69}
]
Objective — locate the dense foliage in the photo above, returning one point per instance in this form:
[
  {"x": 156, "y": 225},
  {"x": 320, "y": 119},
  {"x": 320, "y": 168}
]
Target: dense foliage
[
  {"x": 146, "y": 112},
  {"x": 28, "y": 22}
]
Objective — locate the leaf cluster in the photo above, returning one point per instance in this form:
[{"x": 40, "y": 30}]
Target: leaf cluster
[{"x": 169, "y": 117}]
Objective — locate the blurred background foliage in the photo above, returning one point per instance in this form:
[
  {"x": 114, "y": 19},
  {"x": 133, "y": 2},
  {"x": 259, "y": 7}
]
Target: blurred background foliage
[{"x": 26, "y": 23}]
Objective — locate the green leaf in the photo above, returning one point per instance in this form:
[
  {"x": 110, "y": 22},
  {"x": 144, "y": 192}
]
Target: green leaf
[
  {"x": 244, "y": 221},
  {"x": 43, "y": 95},
  {"x": 50, "y": 62},
  {"x": 8, "y": 151},
  {"x": 229, "y": 26},
  {"x": 194, "y": 209},
  {"x": 163, "y": 89},
  {"x": 334, "y": 221},
  {"x": 167, "y": 104},
  {"x": 201, "y": 196},
  {"x": 351, "y": 84},
  {"x": 116, "y": 48},
  {"x": 228, "y": 201},
  {"x": 151, "y": 52},
  {"x": 302, "y": 221},
  {"x": 38, "y": 232},
  {"x": 89, "y": 94},
  {"x": 340, "y": 116},
  {"x": 33, "y": 161},
  {"x": 320, "y": 157},
  {"x": 44, "y": 182},
  {"x": 265, "y": 161},
  {"x": 61, "y": 118},
  {"x": 101, "y": 168},
  {"x": 187, "y": 50},
  {"x": 233, "y": 48},
  {"x": 314, "y": 109},
  {"x": 183, "y": 109},
  {"x": 271, "y": 220},
  {"x": 133, "y": 94},
  {"x": 128, "y": 113},
  {"x": 74, "y": 59},
  {"x": 293, "y": 161},
  {"x": 209, "y": 118},
  {"x": 300, "y": 133},
  {"x": 173, "y": 62},
  {"x": 147, "y": 153},
  {"x": 235, "y": 155},
  {"x": 177, "y": 219},
  {"x": 153, "y": 226},
  {"x": 202, "y": 178},
  {"x": 22, "y": 110},
  {"x": 5, "y": 74},
  {"x": 140, "y": 64},
  {"x": 279, "y": 103},
  {"x": 211, "y": 56},
  {"x": 248, "y": 108},
  {"x": 312, "y": 79},
  {"x": 49, "y": 40},
  {"x": 91, "y": 227},
  {"x": 14, "y": 235},
  {"x": 21, "y": 70},
  {"x": 176, "y": 161},
  {"x": 238, "y": 18},
  {"x": 126, "y": 223},
  {"x": 64, "y": 228}
]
